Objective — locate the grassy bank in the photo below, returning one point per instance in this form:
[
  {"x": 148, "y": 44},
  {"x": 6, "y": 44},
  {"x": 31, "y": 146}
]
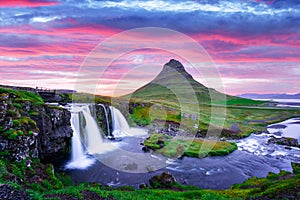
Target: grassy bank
[{"x": 188, "y": 147}]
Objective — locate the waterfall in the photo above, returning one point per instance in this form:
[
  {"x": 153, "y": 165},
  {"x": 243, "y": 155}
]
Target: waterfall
[
  {"x": 121, "y": 127},
  {"x": 94, "y": 136},
  {"x": 119, "y": 123},
  {"x": 106, "y": 116},
  {"x": 79, "y": 159}
]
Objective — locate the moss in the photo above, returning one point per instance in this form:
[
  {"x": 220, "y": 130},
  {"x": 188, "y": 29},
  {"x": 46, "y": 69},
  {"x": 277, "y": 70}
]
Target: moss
[
  {"x": 192, "y": 148},
  {"x": 141, "y": 116},
  {"x": 12, "y": 113},
  {"x": 296, "y": 168},
  {"x": 156, "y": 141},
  {"x": 26, "y": 121},
  {"x": 17, "y": 105},
  {"x": 33, "y": 113},
  {"x": 4, "y": 153},
  {"x": 16, "y": 123},
  {"x": 10, "y": 134}
]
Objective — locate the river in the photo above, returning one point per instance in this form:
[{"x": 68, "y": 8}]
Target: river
[{"x": 254, "y": 157}]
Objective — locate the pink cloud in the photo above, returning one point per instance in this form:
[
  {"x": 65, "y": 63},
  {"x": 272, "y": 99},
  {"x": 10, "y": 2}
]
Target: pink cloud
[{"x": 27, "y": 3}]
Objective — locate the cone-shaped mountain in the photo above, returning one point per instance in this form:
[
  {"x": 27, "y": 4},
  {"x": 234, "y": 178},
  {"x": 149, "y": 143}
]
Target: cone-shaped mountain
[{"x": 175, "y": 84}]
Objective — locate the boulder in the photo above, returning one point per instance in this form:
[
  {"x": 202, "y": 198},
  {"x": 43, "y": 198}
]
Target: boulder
[
  {"x": 284, "y": 141},
  {"x": 164, "y": 180}
]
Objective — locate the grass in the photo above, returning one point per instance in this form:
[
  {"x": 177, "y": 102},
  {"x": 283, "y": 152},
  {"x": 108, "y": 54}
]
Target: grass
[
  {"x": 88, "y": 98},
  {"x": 240, "y": 102},
  {"x": 236, "y": 121},
  {"x": 188, "y": 147},
  {"x": 284, "y": 185},
  {"x": 21, "y": 96},
  {"x": 49, "y": 184}
]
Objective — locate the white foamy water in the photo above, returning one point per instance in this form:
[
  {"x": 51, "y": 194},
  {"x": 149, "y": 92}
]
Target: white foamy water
[
  {"x": 258, "y": 145},
  {"x": 121, "y": 127},
  {"x": 79, "y": 159}
]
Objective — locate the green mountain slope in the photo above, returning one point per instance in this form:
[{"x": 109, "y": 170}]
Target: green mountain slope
[{"x": 174, "y": 84}]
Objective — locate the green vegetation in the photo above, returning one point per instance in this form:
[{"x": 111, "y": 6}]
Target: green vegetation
[
  {"x": 88, "y": 98},
  {"x": 188, "y": 147},
  {"x": 21, "y": 96},
  {"x": 177, "y": 95},
  {"x": 284, "y": 185},
  {"x": 20, "y": 105},
  {"x": 238, "y": 121},
  {"x": 242, "y": 102},
  {"x": 41, "y": 182}
]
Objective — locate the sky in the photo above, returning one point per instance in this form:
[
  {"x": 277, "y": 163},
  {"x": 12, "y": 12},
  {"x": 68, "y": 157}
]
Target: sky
[{"x": 253, "y": 44}]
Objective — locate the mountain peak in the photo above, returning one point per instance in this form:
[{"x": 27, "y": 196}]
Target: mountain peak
[
  {"x": 174, "y": 80},
  {"x": 177, "y": 66}
]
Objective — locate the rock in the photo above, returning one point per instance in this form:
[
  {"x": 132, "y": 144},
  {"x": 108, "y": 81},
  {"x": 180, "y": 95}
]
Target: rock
[
  {"x": 92, "y": 195},
  {"x": 54, "y": 139},
  {"x": 145, "y": 149},
  {"x": 60, "y": 196},
  {"x": 27, "y": 106},
  {"x": 19, "y": 148},
  {"x": 284, "y": 141},
  {"x": 33, "y": 130},
  {"x": 149, "y": 168},
  {"x": 277, "y": 126},
  {"x": 7, "y": 123},
  {"x": 143, "y": 186},
  {"x": 234, "y": 127},
  {"x": 3, "y": 109},
  {"x": 7, "y": 192},
  {"x": 164, "y": 180}
]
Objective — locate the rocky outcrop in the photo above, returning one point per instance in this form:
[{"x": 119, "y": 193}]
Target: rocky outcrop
[
  {"x": 284, "y": 141},
  {"x": 55, "y": 133},
  {"x": 18, "y": 148},
  {"x": 29, "y": 128},
  {"x": 164, "y": 180},
  {"x": 9, "y": 193}
]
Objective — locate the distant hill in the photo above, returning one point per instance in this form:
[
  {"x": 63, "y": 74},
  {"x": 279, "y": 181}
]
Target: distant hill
[
  {"x": 270, "y": 96},
  {"x": 174, "y": 84}
]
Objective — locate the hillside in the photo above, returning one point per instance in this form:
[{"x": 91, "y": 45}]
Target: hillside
[{"x": 175, "y": 84}]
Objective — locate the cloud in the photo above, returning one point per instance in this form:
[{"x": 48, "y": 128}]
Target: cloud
[
  {"x": 253, "y": 38},
  {"x": 27, "y": 3}
]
